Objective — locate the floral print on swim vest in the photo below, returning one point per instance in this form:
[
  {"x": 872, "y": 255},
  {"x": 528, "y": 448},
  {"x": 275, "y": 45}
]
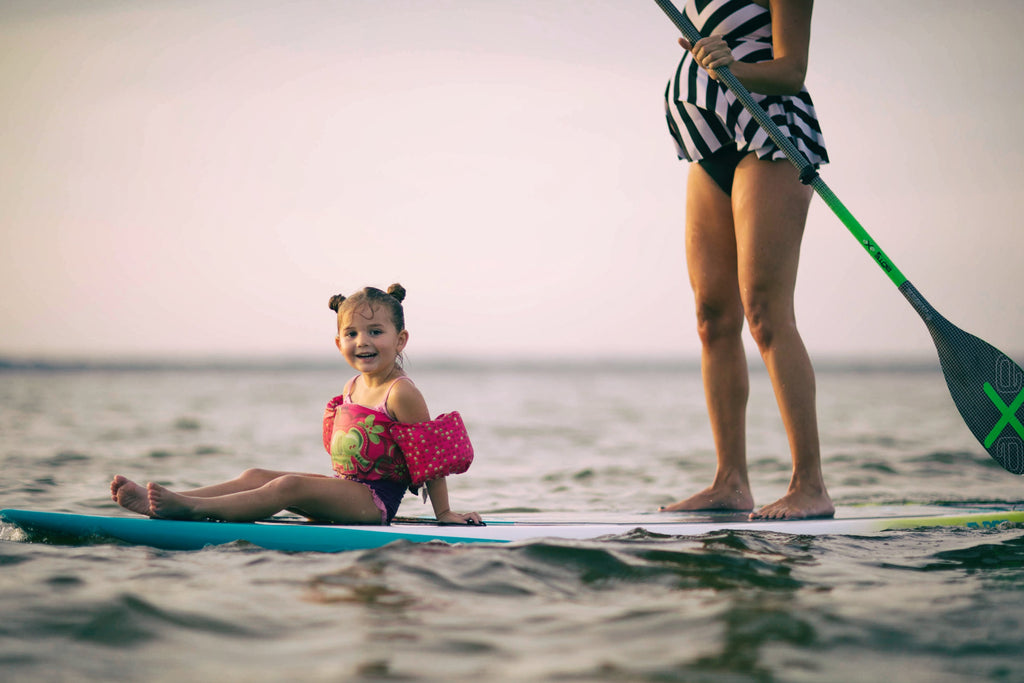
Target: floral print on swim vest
[{"x": 361, "y": 446}]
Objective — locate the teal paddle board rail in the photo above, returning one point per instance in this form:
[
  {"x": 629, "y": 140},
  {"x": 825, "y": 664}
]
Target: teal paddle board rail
[{"x": 292, "y": 536}]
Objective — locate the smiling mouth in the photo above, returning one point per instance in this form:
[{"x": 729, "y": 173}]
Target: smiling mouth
[{"x": 366, "y": 355}]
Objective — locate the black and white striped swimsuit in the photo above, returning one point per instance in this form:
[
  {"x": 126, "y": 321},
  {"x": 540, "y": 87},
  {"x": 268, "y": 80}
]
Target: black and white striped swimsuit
[{"x": 703, "y": 116}]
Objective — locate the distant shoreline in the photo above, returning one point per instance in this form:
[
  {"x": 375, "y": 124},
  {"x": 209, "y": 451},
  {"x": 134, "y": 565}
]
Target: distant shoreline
[{"x": 827, "y": 364}]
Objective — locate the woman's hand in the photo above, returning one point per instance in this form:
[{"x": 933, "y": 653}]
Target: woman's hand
[
  {"x": 784, "y": 73},
  {"x": 449, "y": 517},
  {"x": 711, "y": 53}
]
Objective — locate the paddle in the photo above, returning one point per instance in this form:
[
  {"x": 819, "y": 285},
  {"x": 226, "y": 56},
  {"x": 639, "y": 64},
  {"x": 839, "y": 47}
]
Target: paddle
[{"x": 987, "y": 387}]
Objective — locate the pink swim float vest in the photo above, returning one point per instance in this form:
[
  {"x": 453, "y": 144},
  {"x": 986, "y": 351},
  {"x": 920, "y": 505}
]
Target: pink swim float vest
[
  {"x": 360, "y": 443},
  {"x": 366, "y": 444}
]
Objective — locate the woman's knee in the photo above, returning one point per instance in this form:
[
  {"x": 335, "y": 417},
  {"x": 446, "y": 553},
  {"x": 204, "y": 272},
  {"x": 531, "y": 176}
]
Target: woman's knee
[
  {"x": 715, "y": 323},
  {"x": 766, "y": 322}
]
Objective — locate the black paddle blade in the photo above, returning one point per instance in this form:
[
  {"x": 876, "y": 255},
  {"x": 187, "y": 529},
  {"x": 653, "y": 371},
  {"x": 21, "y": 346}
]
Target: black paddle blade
[{"x": 986, "y": 385}]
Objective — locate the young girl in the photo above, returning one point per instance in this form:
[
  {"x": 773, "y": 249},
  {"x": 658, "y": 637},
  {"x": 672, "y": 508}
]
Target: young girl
[{"x": 369, "y": 480}]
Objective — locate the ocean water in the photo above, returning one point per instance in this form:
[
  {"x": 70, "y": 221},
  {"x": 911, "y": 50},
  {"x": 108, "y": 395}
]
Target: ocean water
[{"x": 932, "y": 605}]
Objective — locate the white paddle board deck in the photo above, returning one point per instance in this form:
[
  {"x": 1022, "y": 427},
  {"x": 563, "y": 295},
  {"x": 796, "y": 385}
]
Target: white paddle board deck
[{"x": 293, "y": 535}]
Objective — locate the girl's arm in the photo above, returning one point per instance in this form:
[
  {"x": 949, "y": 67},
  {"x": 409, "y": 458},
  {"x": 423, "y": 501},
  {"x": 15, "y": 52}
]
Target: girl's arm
[
  {"x": 437, "y": 489},
  {"x": 791, "y": 39},
  {"x": 407, "y": 404}
]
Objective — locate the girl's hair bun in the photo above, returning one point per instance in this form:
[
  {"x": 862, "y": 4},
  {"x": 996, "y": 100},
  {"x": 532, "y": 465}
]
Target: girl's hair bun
[
  {"x": 392, "y": 300},
  {"x": 335, "y": 302},
  {"x": 398, "y": 291}
]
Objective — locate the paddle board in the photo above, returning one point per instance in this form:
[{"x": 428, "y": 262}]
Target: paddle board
[{"x": 295, "y": 535}]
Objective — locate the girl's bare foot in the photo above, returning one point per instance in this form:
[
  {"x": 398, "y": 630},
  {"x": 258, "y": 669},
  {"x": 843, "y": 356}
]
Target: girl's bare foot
[
  {"x": 170, "y": 505},
  {"x": 729, "y": 498},
  {"x": 130, "y": 495},
  {"x": 797, "y": 504}
]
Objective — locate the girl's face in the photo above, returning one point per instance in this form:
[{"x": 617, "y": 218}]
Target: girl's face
[{"x": 369, "y": 341}]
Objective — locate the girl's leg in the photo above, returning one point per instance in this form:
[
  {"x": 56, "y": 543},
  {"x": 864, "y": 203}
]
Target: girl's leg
[
  {"x": 711, "y": 262},
  {"x": 134, "y": 497},
  {"x": 130, "y": 495},
  {"x": 246, "y": 481},
  {"x": 322, "y": 498},
  {"x": 770, "y": 209}
]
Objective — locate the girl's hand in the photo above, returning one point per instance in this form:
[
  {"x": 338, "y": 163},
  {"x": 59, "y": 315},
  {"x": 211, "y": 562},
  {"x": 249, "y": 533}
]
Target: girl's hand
[
  {"x": 449, "y": 517},
  {"x": 711, "y": 53}
]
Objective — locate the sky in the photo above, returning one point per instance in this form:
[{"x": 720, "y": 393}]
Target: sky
[{"x": 197, "y": 177}]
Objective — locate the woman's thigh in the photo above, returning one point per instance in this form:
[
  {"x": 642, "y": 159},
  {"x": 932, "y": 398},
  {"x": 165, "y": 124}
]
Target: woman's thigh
[
  {"x": 711, "y": 248},
  {"x": 769, "y": 207}
]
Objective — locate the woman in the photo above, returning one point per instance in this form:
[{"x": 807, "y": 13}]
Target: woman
[{"x": 745, "y": 215}]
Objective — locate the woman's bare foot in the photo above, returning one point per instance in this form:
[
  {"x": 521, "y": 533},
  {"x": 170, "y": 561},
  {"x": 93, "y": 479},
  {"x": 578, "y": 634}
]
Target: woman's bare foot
[
  {"x": 170, "y": 505},
  {"x": 730, "y": 498},
  {"x": 130, "y": 495},
  {"x": 797, "y": 504}
]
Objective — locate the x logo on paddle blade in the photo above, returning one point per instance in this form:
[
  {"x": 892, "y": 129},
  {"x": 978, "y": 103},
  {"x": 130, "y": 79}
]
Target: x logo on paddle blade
[{"x": 1009, "y": 414}]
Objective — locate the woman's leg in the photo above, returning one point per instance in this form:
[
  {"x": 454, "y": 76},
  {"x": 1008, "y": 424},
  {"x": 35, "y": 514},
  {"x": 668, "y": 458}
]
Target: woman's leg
[
  {"x": 770, "y": 210},
  {"x": 322, "y": 498},
  {"x": 711, "y": 262}
]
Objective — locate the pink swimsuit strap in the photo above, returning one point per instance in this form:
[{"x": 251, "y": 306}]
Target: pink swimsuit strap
[{"x": 383, "y": 407}]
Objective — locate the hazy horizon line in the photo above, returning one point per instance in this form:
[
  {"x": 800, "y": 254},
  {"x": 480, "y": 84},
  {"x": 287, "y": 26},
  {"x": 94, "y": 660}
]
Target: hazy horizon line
[{"x": 493, "y": 362}]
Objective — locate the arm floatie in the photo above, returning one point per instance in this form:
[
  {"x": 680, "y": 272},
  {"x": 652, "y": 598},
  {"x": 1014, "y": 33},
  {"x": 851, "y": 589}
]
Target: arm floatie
[
  {"x": 434, "y": 449},
  {"x": 329, "y": 412}
]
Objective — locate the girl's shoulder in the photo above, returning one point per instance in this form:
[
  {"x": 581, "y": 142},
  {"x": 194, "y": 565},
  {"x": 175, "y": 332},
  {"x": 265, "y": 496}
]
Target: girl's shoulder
[
  {"x": 396, "y": 389},
  {"x": 399, "y": 385},
  {"x": 405, "y": 402},
  {"x": 400, "y": 378},
  {"x": 401, "y": 389}
]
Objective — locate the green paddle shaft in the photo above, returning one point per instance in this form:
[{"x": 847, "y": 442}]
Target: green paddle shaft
[{"x": 858, "y": 231}]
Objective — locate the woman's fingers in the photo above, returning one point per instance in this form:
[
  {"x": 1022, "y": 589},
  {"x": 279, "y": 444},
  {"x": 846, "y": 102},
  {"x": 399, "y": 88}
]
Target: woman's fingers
[{"x": 711, "y": 52}]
